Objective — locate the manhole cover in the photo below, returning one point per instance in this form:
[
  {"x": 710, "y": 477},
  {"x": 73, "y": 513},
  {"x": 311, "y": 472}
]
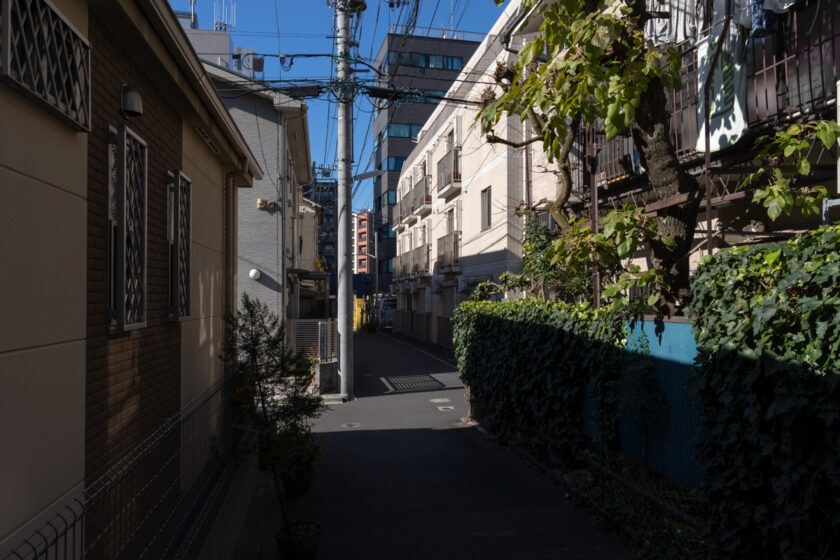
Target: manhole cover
[{"x": 413, "y": 383}]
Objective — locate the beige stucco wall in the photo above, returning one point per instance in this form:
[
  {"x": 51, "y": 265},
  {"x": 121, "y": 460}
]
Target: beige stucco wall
[
  {"x": 43, "y": 239},
  {"x": 202, "y": 333}
]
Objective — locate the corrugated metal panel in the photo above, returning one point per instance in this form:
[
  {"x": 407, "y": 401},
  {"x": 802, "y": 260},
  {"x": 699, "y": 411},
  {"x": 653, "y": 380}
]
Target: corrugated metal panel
[{"x": 671, "y": 445}]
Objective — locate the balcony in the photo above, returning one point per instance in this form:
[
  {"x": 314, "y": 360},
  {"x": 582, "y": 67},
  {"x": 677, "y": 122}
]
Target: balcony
[
  {"x": 407, "y": 215},
  {"x": 449, "y": 251},
  {"x": 791, "y": 75},
  {"x": 449, "y": 174},
  {"x": 422, "y": 197},
  {"x": 420, "y": 257}
]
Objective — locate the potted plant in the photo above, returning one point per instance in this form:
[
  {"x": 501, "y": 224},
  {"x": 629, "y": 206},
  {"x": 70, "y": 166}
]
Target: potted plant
[{"x": 274, "y": 396}]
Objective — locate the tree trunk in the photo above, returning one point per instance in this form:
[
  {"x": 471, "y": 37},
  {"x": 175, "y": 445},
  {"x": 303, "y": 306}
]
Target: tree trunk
[{"x": 650, "y": 131}]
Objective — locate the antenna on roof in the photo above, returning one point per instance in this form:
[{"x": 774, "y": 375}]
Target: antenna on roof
[
  {"x": 224, "y": 15},
  {"x": 193, "y": 23}
]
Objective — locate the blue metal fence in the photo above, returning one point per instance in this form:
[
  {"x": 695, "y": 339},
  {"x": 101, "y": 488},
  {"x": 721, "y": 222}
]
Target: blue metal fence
[{"x": 670, "y": 451}]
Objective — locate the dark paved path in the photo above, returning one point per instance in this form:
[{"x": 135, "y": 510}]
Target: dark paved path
[{"x": 403, "y": 478}]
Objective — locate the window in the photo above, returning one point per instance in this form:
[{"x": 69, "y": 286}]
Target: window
[
  {"x": 47, "y": 58},
  {"x": 390, "y": 265},
  {"x": 422, "y": 60},
  {"x": 485, "y": 209},
  {"x": 402, "y": 130},
  {"x": 127, "y": 229},
  {"x": 395, "y": 163},
  {"x": 179, "y": 237},
  {"x": 392, "y": 198}
]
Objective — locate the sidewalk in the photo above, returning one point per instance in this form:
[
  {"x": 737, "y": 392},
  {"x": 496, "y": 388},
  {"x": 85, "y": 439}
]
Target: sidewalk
[{"x": 402, "y": 477}]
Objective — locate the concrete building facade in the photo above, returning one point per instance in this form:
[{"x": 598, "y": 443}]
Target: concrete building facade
[{"x": 427, "y": 65}]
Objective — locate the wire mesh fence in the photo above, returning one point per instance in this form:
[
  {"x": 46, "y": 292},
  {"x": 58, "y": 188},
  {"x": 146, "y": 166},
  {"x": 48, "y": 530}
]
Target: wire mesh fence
[{"x": 151, "y": 504}]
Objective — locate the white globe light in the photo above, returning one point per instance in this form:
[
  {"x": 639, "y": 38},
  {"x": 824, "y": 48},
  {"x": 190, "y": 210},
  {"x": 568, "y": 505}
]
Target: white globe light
[{"x": 254, "y": 274}]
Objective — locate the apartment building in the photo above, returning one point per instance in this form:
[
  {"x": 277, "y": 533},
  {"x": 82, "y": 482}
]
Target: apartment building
[
  {"x": 364, "y": 261},
  {"x": 272, "y": 266},
  {"x": 427, "y": 63},
  {"x": 457, "y": 194},
  {"x": 119, "y": 172}
]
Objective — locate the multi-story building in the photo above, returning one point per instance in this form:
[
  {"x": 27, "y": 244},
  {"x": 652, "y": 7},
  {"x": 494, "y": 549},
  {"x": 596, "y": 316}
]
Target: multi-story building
[
  {"x": 323, "y": 191},
  {"x": 119, "y": 173},
  {"x": 271, "y": 215},
  {"x": 458, "y": 195},
  {"x": 428, "y": 65},
  {"x": 363, "y": 243}
]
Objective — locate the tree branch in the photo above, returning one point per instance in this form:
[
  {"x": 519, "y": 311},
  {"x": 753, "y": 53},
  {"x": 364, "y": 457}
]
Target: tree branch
[{"x": 493, "y": 139}]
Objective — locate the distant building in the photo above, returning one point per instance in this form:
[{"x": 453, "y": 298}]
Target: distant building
[
  {"x": 363, "y": 242},
  {"x": 276, "y": 264},
  {"x": 429, "y": 65},
  {"x": 323, "y": 191}
]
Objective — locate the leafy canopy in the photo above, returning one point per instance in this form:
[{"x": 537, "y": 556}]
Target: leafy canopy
[{"x": 595, "y": 64}]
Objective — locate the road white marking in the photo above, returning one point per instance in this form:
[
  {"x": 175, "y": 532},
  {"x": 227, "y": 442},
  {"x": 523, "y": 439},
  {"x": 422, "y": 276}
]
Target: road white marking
[
  {"x": 351, "y": 425},
  {"x": 439, "y": 400},
  {"x": 446, "y": 408}
]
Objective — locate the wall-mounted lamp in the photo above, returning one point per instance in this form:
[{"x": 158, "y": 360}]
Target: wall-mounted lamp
[
  {"x": 132, "y": 103},
  {"x": 254, "y": 274}
]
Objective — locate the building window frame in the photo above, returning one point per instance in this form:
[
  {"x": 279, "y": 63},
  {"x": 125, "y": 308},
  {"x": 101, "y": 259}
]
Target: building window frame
[
  {"x": 127, "y": 229},
  {"x": 486, "y": 208},
  {"x": 179, "y": 238}
]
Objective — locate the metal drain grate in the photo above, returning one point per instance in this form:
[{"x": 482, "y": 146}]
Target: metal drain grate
[{"x": 413, "y": 383}]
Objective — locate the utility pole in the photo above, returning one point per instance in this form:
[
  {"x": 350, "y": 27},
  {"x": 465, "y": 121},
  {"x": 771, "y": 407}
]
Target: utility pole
[{"x": 344, "y": 10}]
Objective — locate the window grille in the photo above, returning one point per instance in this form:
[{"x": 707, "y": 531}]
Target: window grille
[
  {"x": 42, "y": 54},
  {"x": 127, "y": 229},
  {"x": 179, "y": 236}
]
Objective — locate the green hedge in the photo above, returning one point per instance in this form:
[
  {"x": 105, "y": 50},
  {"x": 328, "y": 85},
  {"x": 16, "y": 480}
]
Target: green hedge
[
  {"x": 527, "y": 364},
  {"x": 768, "y": 331}
]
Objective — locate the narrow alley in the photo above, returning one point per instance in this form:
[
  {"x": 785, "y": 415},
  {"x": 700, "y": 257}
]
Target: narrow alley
[{"x": 403, "y": 477}]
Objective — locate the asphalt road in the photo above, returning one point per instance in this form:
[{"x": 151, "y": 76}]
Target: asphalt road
[{"x": 403, "y": 478}]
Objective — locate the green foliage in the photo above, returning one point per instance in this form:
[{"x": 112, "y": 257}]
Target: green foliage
[
  {"x": 528, "y": 391},
  {"x": 597, "y": 66},
  {"x": 775, "y": 188},
  {"x": 274, "y": 389},
  {"x": 768, "y": 329},
  {"x": 577, "y": 251}
]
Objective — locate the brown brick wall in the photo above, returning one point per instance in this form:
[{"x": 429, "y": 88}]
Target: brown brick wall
[{"x": 133, "y": 378}]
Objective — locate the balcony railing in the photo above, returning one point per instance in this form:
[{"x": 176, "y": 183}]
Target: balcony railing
[
  {"x": 420, "y": 259},
  {"x": 407, "y": 210},
  {"x": 449, "y": 250},
  {"x": 790, "y": 74},
  {"x": 449, "y": 174},
  {"x": 422, "y": 197}
]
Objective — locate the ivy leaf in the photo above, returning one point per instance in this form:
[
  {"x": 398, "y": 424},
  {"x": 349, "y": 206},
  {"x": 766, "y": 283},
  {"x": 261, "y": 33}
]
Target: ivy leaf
[
  {"x": 669, "y": 241},
  {"x": 626, "y": 247},
  {"x": 774, "y": 210},
  {"x": 772, "y": 257},
  {"x": 652, "y": 299}
]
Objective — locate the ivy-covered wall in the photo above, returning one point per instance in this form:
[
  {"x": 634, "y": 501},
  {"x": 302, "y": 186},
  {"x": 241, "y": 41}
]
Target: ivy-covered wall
[
  {"x": 767, "y": 327},
  {"x": 768, "y": 330}
]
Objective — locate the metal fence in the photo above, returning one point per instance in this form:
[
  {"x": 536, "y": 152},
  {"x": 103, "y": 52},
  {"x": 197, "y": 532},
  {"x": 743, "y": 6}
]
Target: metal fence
[
  {"x": 152, "y": 503},
  {"x": 669, "y": 444},
  {"x": 317, "y": 338}
]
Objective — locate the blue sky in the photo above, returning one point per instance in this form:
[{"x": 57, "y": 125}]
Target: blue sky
[{"x": 302, "y": 26}]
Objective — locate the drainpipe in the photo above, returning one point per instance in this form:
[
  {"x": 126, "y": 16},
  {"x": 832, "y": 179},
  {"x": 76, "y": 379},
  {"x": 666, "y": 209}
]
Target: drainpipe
[
  {"x": 281, "y": 175},
  {"x": 708, "y": 139},
  {"x": 231, "y": 295}
]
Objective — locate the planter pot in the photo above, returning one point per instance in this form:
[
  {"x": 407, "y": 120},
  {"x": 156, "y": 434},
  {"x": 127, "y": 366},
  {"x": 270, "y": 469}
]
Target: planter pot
[
  {"x": 299, "y": 541},
  {"x": 298, "y": 486}
]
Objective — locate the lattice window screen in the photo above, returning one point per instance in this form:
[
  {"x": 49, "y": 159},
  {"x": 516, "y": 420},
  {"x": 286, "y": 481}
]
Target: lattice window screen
[
  {"x": 127, "y": 215},
  {"x": 43, "y": 54},
  {"x": 134, "y": 228},
  {"x": 179, "y": 232}
]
